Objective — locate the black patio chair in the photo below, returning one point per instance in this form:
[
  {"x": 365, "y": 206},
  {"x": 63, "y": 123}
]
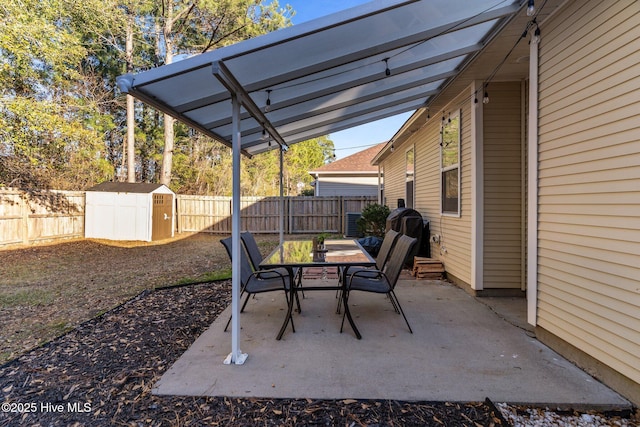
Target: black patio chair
[
  {"x": 383, "y": 281},
  {"x": 389, "y": 240},
  {"x": 250, "y": 244},
  {"x": 255, "y": 282},
  {"x": 255, "y": 256}
]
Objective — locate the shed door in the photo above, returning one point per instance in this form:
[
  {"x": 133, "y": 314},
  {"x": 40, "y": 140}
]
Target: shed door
[{"x": 162, "y": 212}]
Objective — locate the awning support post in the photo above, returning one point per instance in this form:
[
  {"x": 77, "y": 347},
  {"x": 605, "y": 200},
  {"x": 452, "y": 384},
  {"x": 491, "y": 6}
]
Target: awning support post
[
  {"x": 237, "y": 356},
  {"x": 281, "y": 195}
]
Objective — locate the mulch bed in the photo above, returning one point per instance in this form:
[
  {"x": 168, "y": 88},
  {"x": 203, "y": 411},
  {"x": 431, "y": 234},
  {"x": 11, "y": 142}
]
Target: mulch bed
[{"x": 102, "y": 373}]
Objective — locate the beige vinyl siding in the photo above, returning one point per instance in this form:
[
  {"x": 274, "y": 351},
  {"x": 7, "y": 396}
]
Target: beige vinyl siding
[
  {"x": 455, "y": 231},
  {"x": 589, "y": 181},
  {"x": 348, "y": 185},
  {"x": 394, "y": 178},
  {"x": 503, "y": 187}
]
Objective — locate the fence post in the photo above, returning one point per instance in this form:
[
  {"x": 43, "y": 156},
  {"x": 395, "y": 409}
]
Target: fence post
[
  {"x": 341, "y": 215},
  {"x": 24, "y": 213},
  {"x": 177, "y": 215},
  {"x": 290, "y": 215}
]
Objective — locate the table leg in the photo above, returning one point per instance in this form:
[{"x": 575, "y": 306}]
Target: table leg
[
  {"x": 342, "y": 277},
  {"x": 289, "y": 316},
  {"x": 347, "y": 312}
]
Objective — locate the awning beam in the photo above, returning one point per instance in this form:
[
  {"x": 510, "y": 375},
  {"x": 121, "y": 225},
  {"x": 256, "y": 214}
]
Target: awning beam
[
  {"x": 223, "y": 74},
  {"x": 328, "y": 74},
  {"x": 389, "y": 45},
  {"x": 324, "y": 90}
]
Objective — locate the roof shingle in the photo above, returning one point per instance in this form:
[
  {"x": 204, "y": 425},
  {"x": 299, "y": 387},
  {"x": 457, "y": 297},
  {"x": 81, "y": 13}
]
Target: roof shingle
[{"x": 358, "y": 162}]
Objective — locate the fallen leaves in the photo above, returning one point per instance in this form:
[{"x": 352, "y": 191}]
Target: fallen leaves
[{"x": 112, "y": 362}]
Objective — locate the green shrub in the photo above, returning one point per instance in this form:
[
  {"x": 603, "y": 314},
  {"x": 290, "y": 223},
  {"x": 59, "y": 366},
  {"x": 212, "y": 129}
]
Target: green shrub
[{"x": 373, "y": 220}]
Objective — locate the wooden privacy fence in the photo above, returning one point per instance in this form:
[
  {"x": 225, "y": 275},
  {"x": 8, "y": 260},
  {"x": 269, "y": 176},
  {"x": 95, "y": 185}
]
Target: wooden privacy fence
[
  {"x": 212, "y": 214},
  {"x": 31, "y": 217}
]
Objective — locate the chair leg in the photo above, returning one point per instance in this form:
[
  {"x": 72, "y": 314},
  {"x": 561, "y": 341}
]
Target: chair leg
[
  {"x": 342, "y": 276},
  {"x": 346, "y": 301},
  {"x": 393, "y": 302},
  {"x": 246, "y": 300},
  {"x": 394, "y": 297},
  {"x": 295, "y": 294},
  {"x": 227, "y": 325},
  {"x": 245, "y": 303}
]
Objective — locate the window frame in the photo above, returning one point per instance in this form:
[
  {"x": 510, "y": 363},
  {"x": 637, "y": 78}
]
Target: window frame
[
  {"x": 410, "y": 177},
  {"x": 454, "y": 119}
]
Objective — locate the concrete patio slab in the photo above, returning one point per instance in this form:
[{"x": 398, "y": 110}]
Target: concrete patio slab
[{"x": 461, "y": 350}]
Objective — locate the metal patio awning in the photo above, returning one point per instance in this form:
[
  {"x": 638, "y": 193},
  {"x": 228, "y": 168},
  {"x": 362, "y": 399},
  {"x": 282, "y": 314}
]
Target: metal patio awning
[
  {"x": 367, "y": 63},
  {"x": 373, "y": 61}
]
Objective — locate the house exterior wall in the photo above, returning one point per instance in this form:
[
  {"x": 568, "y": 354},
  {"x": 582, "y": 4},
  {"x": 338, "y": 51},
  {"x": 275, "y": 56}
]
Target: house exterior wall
[
  {"x": 589, "y": 182},
  {"x": 503, "y": 196},
  {"x": 394, "y": 178},
  {"x": 455, "y": 232},
  {"x": 455, "y": 245},
  {"x": 347, "y": 186}
]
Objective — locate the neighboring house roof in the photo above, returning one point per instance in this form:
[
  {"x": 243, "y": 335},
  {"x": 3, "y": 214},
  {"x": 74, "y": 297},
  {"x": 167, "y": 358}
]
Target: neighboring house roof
[
  {"x": 126, "y": 187},
  {"x": 358, "y": 163}
]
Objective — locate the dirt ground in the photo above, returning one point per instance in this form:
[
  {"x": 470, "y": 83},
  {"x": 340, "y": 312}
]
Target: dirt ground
[
  {"x": 46, "y": 290},
  {"x": 127, "y": 324}
]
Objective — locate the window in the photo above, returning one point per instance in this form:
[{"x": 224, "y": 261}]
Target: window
[
  {"x": 450, "y": 165},
  {"x": 410, "y": 178},
  {"x": 381, "y": 196}
]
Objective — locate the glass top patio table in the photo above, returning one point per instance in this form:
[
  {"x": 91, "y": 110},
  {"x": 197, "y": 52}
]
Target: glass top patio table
[
  {"x": 299, "y": 253},
  {"x": 293, "y": 254}
]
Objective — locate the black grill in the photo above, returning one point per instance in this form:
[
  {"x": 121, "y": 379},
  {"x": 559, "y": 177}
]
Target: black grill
[{"x": 409, "y": 221}]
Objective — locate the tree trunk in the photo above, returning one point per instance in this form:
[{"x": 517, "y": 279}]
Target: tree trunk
[
  {"x": 131, "y": 160},
  {"x": 167, "y": 154},
  {"x": 131, "y": 153}
]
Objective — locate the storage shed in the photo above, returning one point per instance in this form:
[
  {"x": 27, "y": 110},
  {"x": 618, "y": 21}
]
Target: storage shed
[{"x": 129, "y": 211}]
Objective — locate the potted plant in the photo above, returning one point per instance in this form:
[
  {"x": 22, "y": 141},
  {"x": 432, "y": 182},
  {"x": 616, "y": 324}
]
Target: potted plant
[{"x": 318, "y": 242}]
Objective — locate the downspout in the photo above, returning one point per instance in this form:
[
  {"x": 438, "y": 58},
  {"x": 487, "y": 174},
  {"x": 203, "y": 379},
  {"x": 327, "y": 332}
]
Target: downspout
[
  {"x": 523, "y": 185},
  {"x": 532, "y": 184}
]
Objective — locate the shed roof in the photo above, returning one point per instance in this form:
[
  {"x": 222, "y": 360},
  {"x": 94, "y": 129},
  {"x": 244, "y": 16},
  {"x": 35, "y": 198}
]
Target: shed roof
[
  {"x": 369, "y": 62},
  {"x": 359, "y": 162},
  {"x": 126, "y": 187}
]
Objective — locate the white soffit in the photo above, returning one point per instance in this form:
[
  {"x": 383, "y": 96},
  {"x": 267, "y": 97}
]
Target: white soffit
[{"x": 329, "y": 74}]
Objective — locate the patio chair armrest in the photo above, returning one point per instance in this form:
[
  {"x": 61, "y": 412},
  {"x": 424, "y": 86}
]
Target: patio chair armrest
[
  {"x": 273, "y": 274},
  {"x": 367, "y": 274}
]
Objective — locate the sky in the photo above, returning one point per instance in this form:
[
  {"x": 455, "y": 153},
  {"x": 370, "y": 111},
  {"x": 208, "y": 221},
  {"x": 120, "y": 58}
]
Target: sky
[{"x": 359, "y": 138}]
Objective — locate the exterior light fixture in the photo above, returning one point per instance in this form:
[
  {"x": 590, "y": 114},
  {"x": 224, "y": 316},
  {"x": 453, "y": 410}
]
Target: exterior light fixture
[
  {"x": 268, "y": 106},
  {"x": 531, "y": 8}
]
